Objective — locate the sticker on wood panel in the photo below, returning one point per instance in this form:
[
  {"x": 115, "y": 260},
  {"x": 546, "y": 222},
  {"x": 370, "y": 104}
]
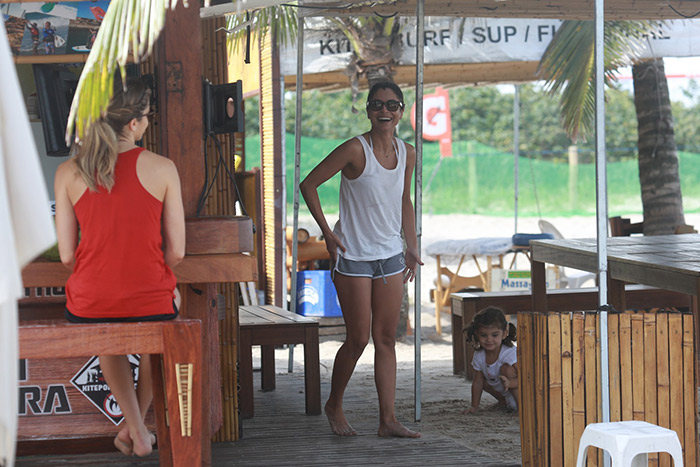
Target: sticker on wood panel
[{"x": 90, "y": 382}]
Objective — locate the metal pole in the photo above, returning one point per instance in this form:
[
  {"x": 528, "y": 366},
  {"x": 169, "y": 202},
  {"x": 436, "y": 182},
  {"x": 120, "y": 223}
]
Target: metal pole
[
  {"x": 602, "y": 209},
  {"x": 516, "y": 151},
  {"x": 297, "y": 175},
  {"x": 419, "y": 201}
]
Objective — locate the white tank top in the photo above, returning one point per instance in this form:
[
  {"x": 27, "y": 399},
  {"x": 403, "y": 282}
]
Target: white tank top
[{"x": 370, "y": 208}]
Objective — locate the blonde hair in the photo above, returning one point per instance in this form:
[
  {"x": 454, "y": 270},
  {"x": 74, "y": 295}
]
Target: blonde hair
[{"x": 96, "y": 155}]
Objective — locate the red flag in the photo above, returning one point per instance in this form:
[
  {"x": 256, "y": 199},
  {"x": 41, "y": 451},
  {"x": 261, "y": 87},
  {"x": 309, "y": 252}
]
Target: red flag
[{"x": 437, "y": 123}]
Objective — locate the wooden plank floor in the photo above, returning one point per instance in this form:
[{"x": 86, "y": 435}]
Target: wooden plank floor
[{"x": 281, "y": 434}]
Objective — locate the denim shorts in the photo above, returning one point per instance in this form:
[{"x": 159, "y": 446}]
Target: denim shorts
[{"x": 380, "y": 268}]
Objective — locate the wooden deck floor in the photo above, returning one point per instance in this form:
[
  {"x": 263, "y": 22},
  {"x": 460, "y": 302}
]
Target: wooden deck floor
[{"x": 281, "y": 434}]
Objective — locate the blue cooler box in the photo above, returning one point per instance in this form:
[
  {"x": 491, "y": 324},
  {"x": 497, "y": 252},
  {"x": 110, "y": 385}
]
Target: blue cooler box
[{"x": 316, "y": 294}]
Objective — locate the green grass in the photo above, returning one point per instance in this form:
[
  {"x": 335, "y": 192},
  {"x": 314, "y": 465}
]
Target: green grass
[{"x": 479, "y": 180}]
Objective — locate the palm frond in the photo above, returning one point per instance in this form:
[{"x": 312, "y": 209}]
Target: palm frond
[
  {"x": 129, "y": 26},
  {"x": 280, "y": 20},
  {"x": 567, "y": 65}
]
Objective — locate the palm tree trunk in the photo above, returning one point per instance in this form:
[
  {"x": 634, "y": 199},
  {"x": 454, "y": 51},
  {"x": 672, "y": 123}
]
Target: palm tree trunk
[{"x": 659, "y": 177}]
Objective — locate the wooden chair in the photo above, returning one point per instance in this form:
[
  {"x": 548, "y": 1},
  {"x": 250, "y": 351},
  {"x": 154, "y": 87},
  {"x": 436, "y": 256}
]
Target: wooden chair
[{"x": 622, "y": 227}]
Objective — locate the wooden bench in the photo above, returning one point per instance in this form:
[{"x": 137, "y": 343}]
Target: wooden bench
[
  {"x": 268, "y": 326},
  {"x": 466, "y": 305},
  {"x": 177, "y": 400}
]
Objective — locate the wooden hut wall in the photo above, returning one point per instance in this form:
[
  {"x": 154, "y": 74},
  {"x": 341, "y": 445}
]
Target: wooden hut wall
[
  {"x": 221, "y": 201},
  {"x": 272, "y": 162}
]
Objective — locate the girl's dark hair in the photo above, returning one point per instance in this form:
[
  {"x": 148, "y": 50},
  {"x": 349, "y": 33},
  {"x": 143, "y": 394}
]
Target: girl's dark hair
[
  {"x": 490, "y": 316},
  {"x": 385, "y": 85}
]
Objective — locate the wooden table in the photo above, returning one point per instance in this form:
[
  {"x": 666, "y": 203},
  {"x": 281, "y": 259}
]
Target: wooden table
[
  {"x": 670, "y": 262},
  {"x": 459, "y": 250}
]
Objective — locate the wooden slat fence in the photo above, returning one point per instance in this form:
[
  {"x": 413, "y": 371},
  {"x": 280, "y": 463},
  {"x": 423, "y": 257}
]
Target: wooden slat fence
[{"x": 651, "y": 357}]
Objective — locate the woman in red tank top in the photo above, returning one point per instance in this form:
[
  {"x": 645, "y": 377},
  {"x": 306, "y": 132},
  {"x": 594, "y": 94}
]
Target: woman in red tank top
[{"x": 126, "y": 204}]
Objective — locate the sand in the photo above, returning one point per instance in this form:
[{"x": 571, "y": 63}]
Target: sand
[{"x": 444, "y": 396}]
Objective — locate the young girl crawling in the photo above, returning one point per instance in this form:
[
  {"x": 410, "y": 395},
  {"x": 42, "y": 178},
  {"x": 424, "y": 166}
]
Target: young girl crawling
[{"x": 495, "y": 359}]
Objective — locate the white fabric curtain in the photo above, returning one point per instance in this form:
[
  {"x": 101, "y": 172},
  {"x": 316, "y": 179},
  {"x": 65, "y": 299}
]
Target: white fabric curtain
[{"x": 26, "y": 229}]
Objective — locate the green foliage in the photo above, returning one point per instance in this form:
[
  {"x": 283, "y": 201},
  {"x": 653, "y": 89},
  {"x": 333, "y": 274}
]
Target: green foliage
[
  {"x": 484, "y": 185},
  {"x": 485, "y": 114}
]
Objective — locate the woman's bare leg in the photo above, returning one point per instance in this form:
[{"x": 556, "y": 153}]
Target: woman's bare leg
[
  {"x": 386, "y": 305},
  {"x": 354, "y": 298},
  {"x": 117, "y": 372},
  {"x": 144, "y": 395}
]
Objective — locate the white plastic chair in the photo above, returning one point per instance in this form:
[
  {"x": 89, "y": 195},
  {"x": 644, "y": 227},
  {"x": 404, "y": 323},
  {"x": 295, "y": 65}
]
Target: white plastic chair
[
  {"x": 628, "y": 443},
  {"x": 571, "y": 278}
]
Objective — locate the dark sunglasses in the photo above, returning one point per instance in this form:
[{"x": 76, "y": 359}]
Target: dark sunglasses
[{"x": 375, "y": 105}]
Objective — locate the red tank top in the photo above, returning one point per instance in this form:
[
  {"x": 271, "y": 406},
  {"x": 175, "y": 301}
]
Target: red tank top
[{"x": 120, "y": 269}]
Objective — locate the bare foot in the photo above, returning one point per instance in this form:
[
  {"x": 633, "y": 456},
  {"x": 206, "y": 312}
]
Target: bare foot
[
  {"x": 123, "y": 442},
  {"x": 143, "y": 443},
  {"x": 397, "y": 430},
  {"x": 339, "y": 425}
]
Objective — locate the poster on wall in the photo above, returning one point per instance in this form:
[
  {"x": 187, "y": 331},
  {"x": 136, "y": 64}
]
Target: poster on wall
[{"x": 53, "y": 28}]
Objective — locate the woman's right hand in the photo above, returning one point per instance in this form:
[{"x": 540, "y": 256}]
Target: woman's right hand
[{"x": 332, "y": 245}]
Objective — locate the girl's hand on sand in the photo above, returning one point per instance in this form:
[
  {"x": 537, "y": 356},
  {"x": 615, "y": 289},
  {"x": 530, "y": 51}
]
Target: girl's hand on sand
[{"x": 470, "y": 411}]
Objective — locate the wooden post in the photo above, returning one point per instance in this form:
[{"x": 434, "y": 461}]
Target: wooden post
[
  {"x": 555, "y": 389},
  {"x": 179, "y": 69}
]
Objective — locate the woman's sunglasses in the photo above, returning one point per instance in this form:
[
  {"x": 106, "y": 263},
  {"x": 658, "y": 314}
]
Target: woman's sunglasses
[{"x": 375, "y": 105}]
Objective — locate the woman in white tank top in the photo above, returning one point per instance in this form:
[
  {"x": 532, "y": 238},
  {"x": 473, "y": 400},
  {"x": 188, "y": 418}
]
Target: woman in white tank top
[{"x": 367, "y": 250}]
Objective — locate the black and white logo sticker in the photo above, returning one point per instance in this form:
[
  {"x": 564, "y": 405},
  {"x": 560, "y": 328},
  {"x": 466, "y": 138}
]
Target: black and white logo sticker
[{"x": 90, "y": 382}]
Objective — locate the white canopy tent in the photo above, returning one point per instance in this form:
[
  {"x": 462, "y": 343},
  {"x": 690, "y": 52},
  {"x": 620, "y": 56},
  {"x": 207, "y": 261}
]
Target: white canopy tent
[{"x": 597, "y": 10}]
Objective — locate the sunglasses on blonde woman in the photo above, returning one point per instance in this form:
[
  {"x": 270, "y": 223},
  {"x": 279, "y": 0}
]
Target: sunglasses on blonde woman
[{"x": 375, "y": 105}]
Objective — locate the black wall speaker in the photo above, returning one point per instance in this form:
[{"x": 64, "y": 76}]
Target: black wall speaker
[
  {"x": 223, "y": 111},
  {"x": 55, "y": 87}
]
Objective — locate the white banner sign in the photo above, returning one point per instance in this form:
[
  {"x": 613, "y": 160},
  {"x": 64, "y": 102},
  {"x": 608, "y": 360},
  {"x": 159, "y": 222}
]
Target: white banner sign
[{"x": 483, "y": 40}]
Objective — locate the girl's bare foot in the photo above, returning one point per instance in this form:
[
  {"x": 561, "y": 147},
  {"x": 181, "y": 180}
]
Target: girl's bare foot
[
  {"x": 397, "y": 430},
  {"x": 339, "y": 425},
  {"x": 123, "y": 442},
  {"x": 143, "y": 443}
]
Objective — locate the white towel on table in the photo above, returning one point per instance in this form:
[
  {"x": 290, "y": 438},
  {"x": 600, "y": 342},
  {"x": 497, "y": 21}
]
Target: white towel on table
[{"x": 26, "y": 229}]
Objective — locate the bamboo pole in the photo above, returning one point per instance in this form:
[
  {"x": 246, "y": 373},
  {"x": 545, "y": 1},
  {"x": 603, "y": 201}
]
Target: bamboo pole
[
  {"x": 690, "y": 393},
  {"x": 569, "y": 448},
  {"x": 541, "y": 419},
  {"x": 614, "y": 358},
  {"x": 556, "y": 456},
  {"x": 638, "y": 366},
  {"x": 578, "y": 377},
  {"x": 662, "y": 379},
  {"x": 592, "y": 381},
  {"x": 650, "y": 377},
  {"x": 626, "y": 365},
  {"x": 675, "y": 344},
  {"x": 526, "y": 382}
]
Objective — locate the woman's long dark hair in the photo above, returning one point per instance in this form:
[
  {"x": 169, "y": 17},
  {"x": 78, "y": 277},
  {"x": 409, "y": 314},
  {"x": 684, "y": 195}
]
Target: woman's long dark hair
[{"x": 490, "y": 316}]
